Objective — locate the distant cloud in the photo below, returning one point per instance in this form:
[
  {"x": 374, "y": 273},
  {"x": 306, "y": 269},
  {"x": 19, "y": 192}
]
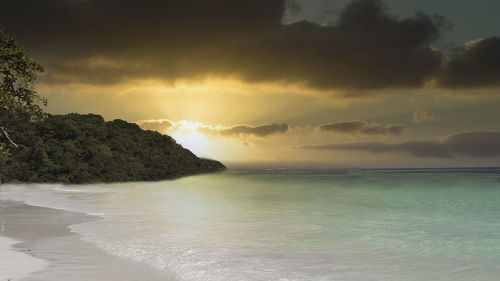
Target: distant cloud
[
  {"x": 162, "y": 125},
  {"x": 361, "y": 127},
  {"x": 159, "y": 126},
  {"x": 475, "y": 65},
  {"x": 246, "y": 130},
  {"x": 475, "y": 144},
  {"x": 425, "y": 116}
]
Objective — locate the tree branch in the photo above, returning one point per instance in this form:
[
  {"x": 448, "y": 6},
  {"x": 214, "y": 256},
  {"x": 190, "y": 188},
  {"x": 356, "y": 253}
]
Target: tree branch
[{"x": 6, "y": 134}]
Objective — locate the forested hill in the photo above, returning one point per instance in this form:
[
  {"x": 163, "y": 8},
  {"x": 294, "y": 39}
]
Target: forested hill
[{"x": 78, "y": 148}]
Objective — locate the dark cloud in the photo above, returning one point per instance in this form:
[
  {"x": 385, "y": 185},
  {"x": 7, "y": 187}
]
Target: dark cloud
[
  {"x": 475, "y": 65},
  {"x": 245, "y": 130},
  {"x": 110, "y": 41},
  {"x": 361, "y": 127},
  {"x": 159, "y": 126},
  {"x": 396, "y": 129},
  {"x": 425, "y": 116},
  {"x": 474, "y": 144}
]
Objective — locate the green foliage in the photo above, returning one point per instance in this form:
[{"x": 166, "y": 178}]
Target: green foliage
[
  {"x": 18, "y": 73},
  {"x": 4, "y": 154},
  {"x": 77, "y": 148},
  {"x": 18, "y": 98}
]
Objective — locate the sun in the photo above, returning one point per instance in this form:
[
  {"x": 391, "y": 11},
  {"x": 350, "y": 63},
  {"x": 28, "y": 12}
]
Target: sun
[
  {"x": 194, "y": 141},
  {"x": 186, "y": 134}
]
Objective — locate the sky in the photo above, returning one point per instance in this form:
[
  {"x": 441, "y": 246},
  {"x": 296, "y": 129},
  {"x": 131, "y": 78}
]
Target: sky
[{"x": 279, "y": 83}]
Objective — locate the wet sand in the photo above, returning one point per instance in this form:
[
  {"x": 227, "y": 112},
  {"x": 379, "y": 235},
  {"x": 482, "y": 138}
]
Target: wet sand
[{"x": 36, "y": 244}]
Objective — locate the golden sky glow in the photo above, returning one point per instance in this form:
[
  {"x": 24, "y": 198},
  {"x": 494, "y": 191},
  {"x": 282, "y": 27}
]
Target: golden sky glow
[
  {"x": 364, "y": 83},
  {"x": 217, "y": 104}
]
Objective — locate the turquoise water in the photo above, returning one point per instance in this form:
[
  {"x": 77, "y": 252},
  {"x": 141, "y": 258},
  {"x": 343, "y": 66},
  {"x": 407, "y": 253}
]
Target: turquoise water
[{"x": 296, "y": 225}]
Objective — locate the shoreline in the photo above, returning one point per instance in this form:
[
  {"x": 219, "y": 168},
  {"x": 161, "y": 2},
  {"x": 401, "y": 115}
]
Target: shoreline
[
  {"x": 173, "y": 178},
  {"x": 32, "y": 236}
]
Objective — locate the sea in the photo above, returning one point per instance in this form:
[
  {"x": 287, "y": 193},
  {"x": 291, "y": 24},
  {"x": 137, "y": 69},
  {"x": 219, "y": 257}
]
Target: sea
[{"x": 345, "y": 224}]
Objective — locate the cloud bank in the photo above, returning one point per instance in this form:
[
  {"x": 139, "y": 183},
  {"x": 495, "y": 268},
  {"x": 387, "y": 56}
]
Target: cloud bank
[
  {"x": 111, "y": 41},
  {"x": 361, "y": 127},
  {"x": 474, "y": 144},
  {"x": 368, "y": 48}
]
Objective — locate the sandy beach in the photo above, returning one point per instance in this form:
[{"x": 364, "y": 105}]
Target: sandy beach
[
  {"x": 16, "y": 265},
  {"x": 36, "y": 244}
]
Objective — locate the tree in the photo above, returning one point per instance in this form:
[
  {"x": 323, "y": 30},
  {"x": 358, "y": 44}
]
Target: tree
[{"x": 18, "y": 98}]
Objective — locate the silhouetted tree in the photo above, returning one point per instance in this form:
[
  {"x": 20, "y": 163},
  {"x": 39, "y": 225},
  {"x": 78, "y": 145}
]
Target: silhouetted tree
[{"x": 18, "y": 98}]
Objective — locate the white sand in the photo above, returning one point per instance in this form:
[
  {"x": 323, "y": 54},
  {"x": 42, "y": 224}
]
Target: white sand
[
  {"x": 37, "y": 245},
  {"x": 15, "y": 265}
]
